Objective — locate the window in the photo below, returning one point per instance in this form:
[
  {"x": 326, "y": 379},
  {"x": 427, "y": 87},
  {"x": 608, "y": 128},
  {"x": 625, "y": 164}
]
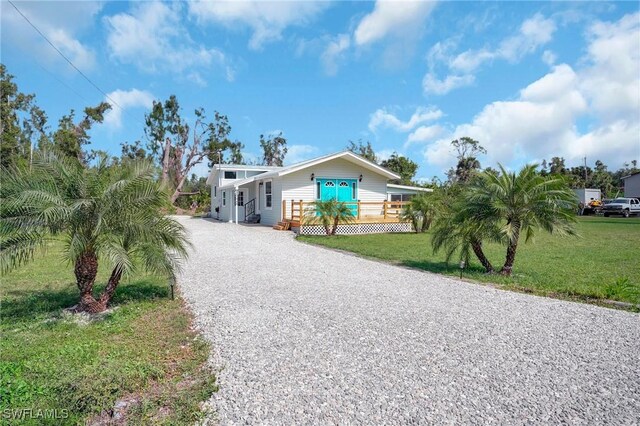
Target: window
[
  {"x": 329, "y": 184},
  {"x": 224, "y": 198},
  {"x": 354, "y": 191},
  {"x": 215, "y": 191},
  {"x": 344, "y": 184},
  {"x": 267, "y": 194},
  {"x": 318, "y": 190},
  {"x": 229, "y": 175},
  {"x": 401, "y": 197},
  {"x": 240, "y": 200}
]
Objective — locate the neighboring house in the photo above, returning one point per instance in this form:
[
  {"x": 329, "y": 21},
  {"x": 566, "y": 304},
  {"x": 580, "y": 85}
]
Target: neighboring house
[
  {"x": 404, "y": 192},
  {"x": 274, "y": 195},
  {"x": 632, "y": 185}
]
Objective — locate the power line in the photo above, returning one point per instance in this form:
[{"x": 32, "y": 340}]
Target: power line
[{"x": 65, "y": 58}]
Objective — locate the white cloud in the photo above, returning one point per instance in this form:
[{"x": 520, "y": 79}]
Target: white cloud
[
  {"x": 61, "y": 23},
  {"x": 385, "y": 119},
  {"x": 611, "y": 81},
  {"x": 423, "y": 134},
  {"x": 432, "y": 85},
  {"x": 385, "y": 154},
  {"x": 153, "y": 37},
  {"x": 543, "y": 120},
  {"x": 391, "y": 17},
  {"x": 534, "y": 32},
  {"x": 549, "y": 58},
  {"x": 334, "y": 52},
  {"x": 297, "y": 153},
  {"x": 267, "y": 19},
  {"x": 133, "y": 98}
]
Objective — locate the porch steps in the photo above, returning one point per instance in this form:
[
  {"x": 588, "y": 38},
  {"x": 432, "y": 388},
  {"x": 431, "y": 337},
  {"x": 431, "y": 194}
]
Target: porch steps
[
  {"x": 254, "y": 218},
  {"x": 283, "y": 226}
]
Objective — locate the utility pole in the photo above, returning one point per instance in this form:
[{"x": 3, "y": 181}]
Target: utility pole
[{"x": 585, "y": 172}]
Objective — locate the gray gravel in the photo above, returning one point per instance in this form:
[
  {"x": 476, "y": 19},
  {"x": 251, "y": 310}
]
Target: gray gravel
[{"x": 307, "y": 335}]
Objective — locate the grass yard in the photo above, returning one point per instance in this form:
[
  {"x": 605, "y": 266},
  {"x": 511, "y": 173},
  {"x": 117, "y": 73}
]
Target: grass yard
[
  {"x": 602, "y": 263},
  {"x": 144, "y": 354}
]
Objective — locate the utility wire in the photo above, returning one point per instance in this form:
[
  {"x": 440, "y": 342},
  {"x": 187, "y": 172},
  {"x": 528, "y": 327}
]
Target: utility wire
[
  {"x": 61, "y": 81},
  {"x": 65, "y": 58}
]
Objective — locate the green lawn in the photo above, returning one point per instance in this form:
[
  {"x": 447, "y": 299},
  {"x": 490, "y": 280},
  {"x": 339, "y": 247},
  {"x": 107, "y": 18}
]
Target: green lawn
[
  {"x": 602, "y": 263},
  {"x": 144, "y": 351}
]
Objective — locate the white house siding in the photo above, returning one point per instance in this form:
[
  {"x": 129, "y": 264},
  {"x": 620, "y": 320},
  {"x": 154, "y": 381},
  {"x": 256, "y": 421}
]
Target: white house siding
[
  {"x": 632, "y": 186},
  {"x": 273, "y": 215},
  {"x": 298, "y": 186}
]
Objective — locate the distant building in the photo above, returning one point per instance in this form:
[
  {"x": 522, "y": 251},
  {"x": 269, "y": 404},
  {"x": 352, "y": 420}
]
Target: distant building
[{"x": 632, "y": 185}]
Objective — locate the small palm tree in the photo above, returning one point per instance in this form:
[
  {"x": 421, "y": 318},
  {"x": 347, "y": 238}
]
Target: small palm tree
[
  {"x": 523, "y": 202},
  {"x": 457, "y": 231},
  {"x": 105, "y": 213},
  {"x": 329, "y": 214},
  {"x": 411, "y": 214},
  {"x": 421, "y": 211}
]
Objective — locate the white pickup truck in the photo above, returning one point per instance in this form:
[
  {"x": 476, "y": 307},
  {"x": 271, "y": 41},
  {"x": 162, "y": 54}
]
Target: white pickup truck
[{"x": 622, "y": 206}]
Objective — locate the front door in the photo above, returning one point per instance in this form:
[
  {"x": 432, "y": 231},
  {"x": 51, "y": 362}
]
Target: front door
[{"x": 344, "y": 190}]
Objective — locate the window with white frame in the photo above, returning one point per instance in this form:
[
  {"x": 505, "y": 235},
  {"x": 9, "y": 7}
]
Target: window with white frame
[
  {"x": 240, "y": 199},
  {"x": 268, "y": 200},
  {"x": 230, "y": 175},
  {"x": 224, "y": 198},
  {"x": 215, "y": 191}
]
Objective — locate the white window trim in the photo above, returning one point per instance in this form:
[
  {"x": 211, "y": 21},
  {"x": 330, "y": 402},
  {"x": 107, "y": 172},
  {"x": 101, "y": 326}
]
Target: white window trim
[
  {"x": 265, "y": 194},
  {"x": 224, "y": 198}
]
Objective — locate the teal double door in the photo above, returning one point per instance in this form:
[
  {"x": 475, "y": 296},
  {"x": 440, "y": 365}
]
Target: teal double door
[{"x": 344, "y": 190}]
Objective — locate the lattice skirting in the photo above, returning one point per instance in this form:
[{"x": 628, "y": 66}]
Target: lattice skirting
[{"x": 358, "y": 228}]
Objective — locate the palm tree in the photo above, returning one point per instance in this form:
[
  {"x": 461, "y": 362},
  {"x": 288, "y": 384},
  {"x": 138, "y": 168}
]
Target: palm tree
[
  {"x": 523, "y": 202},
  {"x": 421, "y": 211},
  {"x": 456, "y": 230},
  {"x": 329, "y": 214},
  {"x": 411, "y": 214},
  {"x": 105, "y": 213}
]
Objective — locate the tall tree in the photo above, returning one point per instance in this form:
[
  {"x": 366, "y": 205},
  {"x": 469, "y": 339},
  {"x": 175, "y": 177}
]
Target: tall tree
[
  {"x": 403, "y": 166},
  {"x": 177, "y": 146},
  {"x": 467, "y": 152},
  {"x": 363, "y": 150},
  {"x": 22, "y": 122},
  {"x": 274, "y": 149},
  {"x": 602, "y": 179},
  {"x": 524, "y": 203},
  {"x": 132, "y": 151},
  {"x": 236, "y": 153},
  {"x": 104, "y": 214},
  {"x": 556, "y": 166},
  {"x": 70, "y": 138}
]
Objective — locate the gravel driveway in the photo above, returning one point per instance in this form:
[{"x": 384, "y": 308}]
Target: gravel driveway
[{"x": 306, "y": 335}]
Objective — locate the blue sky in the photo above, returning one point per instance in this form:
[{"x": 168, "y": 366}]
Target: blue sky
[{"x": 528, "y": 80}]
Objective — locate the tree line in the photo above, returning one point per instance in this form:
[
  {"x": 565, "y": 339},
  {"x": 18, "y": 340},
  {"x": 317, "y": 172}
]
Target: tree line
[{"x": 173, "y": 144}]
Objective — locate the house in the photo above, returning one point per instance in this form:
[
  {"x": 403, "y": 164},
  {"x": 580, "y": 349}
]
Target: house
[
  {"x": 282, "y": 195},
  {"x": 632, "y": 185}
]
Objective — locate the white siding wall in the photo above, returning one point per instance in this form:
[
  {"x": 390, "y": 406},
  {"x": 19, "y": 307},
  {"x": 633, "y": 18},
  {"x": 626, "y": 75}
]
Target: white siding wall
[
  {"x": 632, "y": 186},
  {"x": 272, "y": 216},
  {"x": 298, "y": 186}
]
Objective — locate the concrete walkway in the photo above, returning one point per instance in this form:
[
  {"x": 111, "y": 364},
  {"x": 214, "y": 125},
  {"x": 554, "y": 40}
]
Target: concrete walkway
[{"x": 306, "y": 335}]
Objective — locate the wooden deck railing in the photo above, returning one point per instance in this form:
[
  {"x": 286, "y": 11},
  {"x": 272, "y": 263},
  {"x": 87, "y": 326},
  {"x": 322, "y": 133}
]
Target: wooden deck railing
[{"x": 365, "y": 211}]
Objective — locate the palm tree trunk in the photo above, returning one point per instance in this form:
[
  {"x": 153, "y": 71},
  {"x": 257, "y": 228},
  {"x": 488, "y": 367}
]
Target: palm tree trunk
[
  {"x": 110, "y": 290},
  {"x": 336, "y": 221},
  {"x": 512, "y": 246},
  {"x": 86, "y": 269},
  {"x": 477, "y": 249}
]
